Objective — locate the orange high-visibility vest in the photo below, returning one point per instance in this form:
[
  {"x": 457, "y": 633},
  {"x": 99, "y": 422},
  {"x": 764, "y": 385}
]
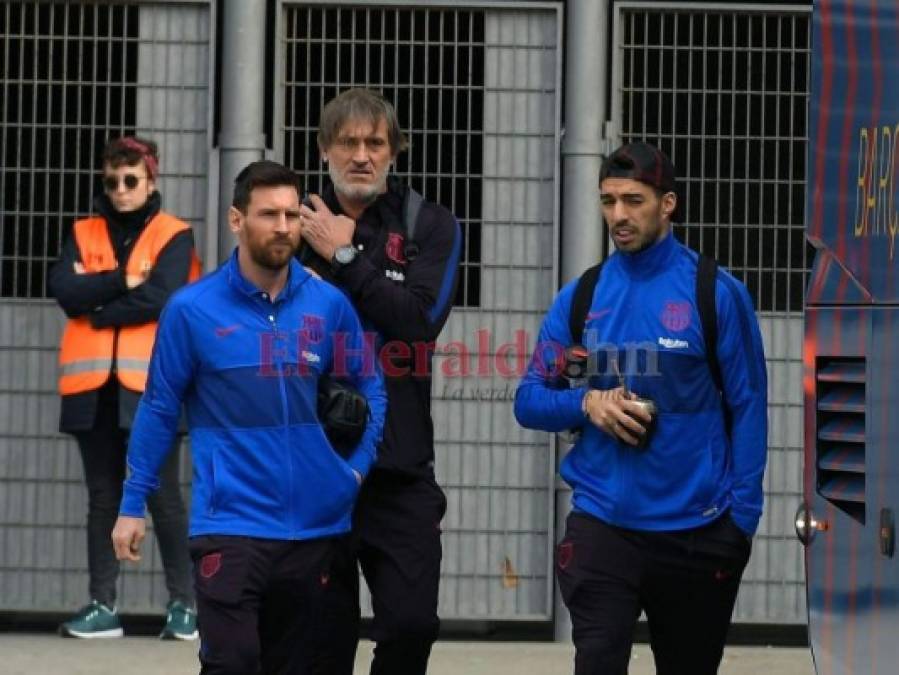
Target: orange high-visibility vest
[{"x": 86, "y": 353}]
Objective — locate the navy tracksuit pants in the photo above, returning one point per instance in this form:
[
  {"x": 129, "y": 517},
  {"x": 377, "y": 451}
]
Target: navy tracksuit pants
[
  {"x": 686, "y": 582},
  {"x": 271, "y": 607}
]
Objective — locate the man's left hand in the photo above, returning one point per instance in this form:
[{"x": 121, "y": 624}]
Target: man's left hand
[{"x": 324, "y": 231}]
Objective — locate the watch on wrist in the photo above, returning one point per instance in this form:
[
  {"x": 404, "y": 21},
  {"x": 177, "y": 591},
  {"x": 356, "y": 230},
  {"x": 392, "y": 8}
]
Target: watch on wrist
[{"x": 343, "y": 256}]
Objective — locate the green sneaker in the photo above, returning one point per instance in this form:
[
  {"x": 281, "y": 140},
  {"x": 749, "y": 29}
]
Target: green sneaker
[
  {"x": 95, "y": 620},
  {"x": 180, "y": 622}
]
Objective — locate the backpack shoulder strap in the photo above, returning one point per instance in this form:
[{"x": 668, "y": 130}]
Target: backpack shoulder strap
[
  {"x": 411, "y": 207},
  {"x": 412, "y": 202},
  {"x": 580, "y": 305},
  {"x": 706, "y": 277}
]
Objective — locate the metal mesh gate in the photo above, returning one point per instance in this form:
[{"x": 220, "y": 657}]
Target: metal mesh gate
[
  {"x": 723, "y": 89},
  {"x": 74, "y": 74},
  {"x": 477, "y": 89}
]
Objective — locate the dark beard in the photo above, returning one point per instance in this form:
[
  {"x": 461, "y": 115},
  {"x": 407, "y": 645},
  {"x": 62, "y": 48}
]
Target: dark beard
[{"x": 265, "y": 258}]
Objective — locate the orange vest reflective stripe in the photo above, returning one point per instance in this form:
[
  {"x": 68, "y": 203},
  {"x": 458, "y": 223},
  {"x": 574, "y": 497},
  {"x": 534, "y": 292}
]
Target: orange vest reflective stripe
[{"x": 86, "y": 353}]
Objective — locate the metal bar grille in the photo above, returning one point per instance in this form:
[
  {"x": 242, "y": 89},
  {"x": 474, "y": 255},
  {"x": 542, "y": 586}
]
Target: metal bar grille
[
  {"x": 73, "y": 75},
  {"x": 66, "y": 86},
  {"x": 725, "y": 93},
  {"x": 430, "y": 64}
]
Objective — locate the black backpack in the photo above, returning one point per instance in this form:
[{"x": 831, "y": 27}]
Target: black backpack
[{"x": 706, "y": 278}]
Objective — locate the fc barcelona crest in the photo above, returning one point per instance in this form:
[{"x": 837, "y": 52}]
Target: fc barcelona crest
[
  {"x": 676, "y": 316},
  {"x": 313, "y": 328},
  {"x": 394, "y": 248}
]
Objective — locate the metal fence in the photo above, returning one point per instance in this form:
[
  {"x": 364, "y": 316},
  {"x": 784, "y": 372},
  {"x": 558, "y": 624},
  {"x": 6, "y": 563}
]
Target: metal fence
[
  {"x": 723, "y": 89},
  {"x": 478, "y": 89},
  {"x": 74, "y": 74}
]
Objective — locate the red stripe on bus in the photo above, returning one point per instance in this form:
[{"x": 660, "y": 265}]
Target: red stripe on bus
[
  {"x": 864, "y": 270},
  {"x": 846, "y": 144},
  {"x": 882, "y": 468},
  {"x": 823, "y": 120}
]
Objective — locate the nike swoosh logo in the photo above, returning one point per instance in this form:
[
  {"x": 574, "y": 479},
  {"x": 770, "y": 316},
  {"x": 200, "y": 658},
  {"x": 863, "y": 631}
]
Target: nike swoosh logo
[
  {"x": 598, "y": 314},
  {"x": 224, "y": 331}
]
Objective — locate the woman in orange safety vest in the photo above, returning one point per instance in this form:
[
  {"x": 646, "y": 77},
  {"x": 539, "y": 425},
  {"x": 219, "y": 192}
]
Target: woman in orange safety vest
[{"x": 115, "y": 274}]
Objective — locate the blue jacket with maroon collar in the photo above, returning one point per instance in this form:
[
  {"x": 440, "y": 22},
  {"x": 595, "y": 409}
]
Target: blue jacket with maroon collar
[
  {"x": 247, "y": 371},
  {"x": 644, "y": 317}
]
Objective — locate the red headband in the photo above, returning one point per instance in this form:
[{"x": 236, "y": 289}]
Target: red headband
[{"x": 134, "y": 144}]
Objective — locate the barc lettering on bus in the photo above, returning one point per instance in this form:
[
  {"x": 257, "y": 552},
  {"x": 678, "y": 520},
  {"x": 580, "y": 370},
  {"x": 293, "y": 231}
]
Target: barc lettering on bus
[{"x": 875, "y": 203}]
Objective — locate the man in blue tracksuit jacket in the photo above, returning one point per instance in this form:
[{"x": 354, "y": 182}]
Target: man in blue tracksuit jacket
[
  {"x": 243, "y": 349},
  {"x": 663, "y": 523}
]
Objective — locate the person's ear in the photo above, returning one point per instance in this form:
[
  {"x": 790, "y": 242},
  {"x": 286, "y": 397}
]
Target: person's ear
[
  {"x": 235, "y": 219},
  {"x": 669, "y": 203}
]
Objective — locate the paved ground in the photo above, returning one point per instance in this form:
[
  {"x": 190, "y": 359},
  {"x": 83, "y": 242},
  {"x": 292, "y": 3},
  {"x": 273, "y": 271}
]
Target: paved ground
[{"x": 22, "y": 653}]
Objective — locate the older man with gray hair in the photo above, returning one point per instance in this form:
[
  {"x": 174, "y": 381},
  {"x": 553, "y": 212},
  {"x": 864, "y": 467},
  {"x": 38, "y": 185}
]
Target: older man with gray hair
[{"x": 396, "y": 256}]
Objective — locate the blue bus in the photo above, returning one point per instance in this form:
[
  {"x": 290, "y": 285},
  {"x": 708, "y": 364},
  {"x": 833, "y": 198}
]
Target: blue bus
[{"x": 847, "y": 520}]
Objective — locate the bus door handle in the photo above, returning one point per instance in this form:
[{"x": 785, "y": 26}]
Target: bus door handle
[
  {"x": 887, "y": 533},
  {"x": 807, "y": 526}
]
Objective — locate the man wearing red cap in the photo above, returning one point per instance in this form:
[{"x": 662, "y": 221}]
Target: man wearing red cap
[{"x": 667, "y": 471}]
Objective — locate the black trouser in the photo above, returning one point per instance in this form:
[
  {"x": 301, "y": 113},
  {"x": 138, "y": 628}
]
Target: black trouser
[
  {"x": 103, "y": 452},
  {"x": 270, "y": 606},
  {"x": 397, "y": 526},
  {"x": 685, "y": 581}
]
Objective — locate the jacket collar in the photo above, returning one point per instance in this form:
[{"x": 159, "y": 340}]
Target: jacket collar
[
  {"x": 651, "y": 261},
  {"x": 392, "y": 199},
  {"x": 133, "y": 220},
  {"x": 296, "y": 277}
]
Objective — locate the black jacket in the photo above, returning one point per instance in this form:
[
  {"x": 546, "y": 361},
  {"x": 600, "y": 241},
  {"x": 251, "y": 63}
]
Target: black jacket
[
  {"x": 405, "y": 301},
  {"x": 105, "y": 298}
]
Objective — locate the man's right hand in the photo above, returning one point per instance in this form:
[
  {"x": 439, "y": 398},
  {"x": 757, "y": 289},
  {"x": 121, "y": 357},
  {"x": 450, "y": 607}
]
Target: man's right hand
[
  {"x": 613, "y": 411},
  {"x": 127, "y": 536}
]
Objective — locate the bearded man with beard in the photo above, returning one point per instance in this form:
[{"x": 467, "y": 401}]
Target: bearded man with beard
[
  {"x": 243, "y": 349},
  {"x": 664, "y": 504},
  {"x": 355, "y": 236}
]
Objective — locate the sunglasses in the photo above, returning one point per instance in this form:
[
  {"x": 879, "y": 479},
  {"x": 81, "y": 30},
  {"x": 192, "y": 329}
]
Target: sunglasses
[{"x": 111, "y": 183}]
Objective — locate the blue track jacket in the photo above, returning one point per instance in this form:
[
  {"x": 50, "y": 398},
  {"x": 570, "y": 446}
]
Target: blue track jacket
[
  {"x": 247, "y": 371},
  {"x": 644, "y": 315}
]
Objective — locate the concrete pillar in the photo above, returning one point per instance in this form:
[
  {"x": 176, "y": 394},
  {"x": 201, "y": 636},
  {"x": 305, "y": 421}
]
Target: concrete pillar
[
  {"x": 242, "y": 135},
  {"x": 582, "y": 148}
]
